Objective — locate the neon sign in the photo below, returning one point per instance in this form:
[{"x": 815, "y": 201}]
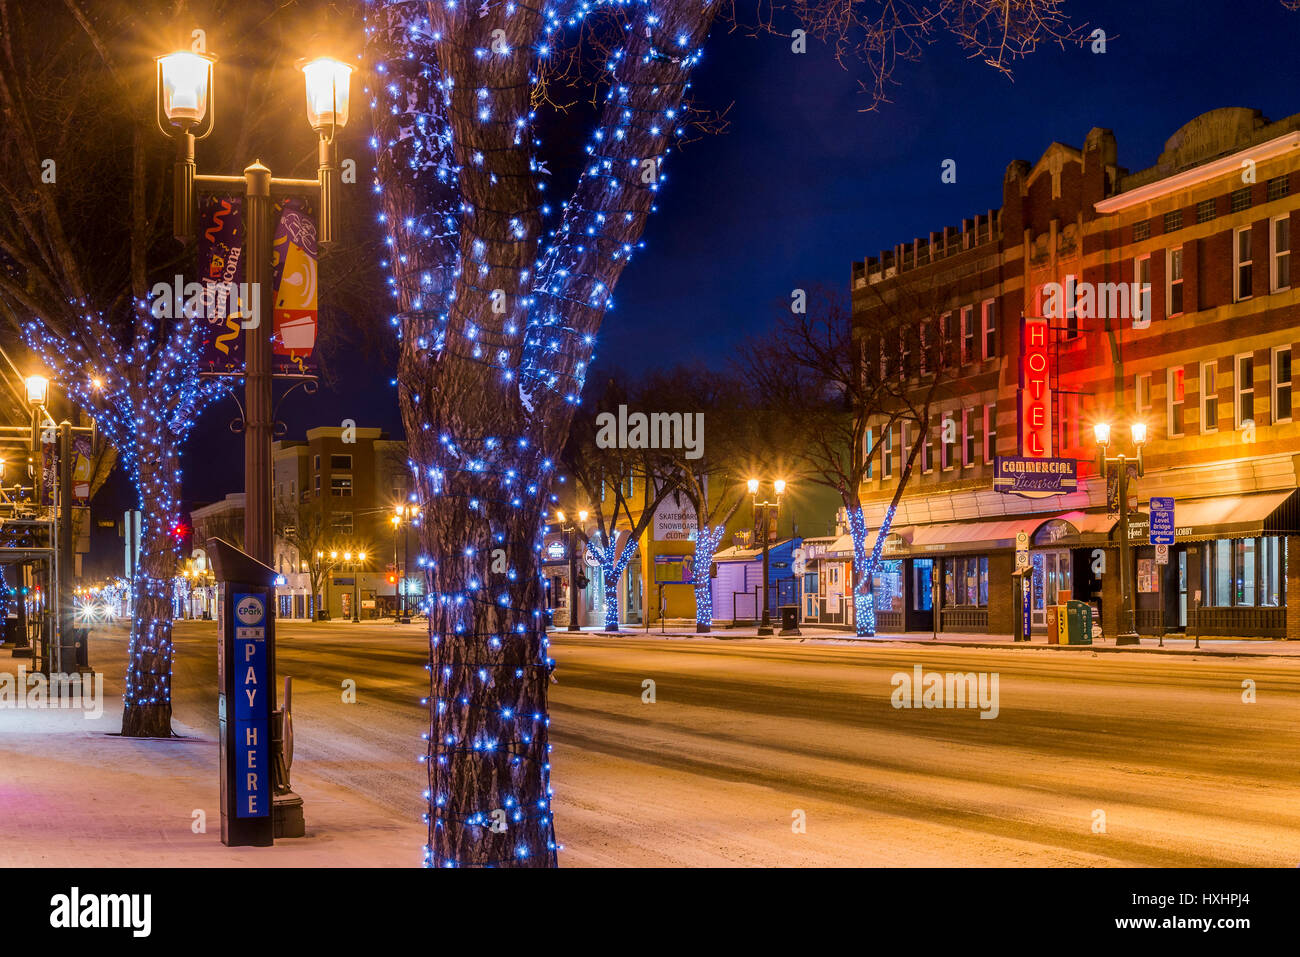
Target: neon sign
[{"x": 1035, "y": 397}]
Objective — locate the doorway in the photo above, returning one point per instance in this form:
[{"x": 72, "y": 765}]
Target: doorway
[
  {"x": 1052, "y": 576},
  {"x": 920, "y": 604}
]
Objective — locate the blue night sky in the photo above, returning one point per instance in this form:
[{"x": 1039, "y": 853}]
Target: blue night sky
[{"x": 803, "y": 183}]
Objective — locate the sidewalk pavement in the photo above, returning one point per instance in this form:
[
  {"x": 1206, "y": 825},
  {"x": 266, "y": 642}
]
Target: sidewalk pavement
[
  {"x": 74, "y": 793},
  {"x": 1220, "y": 647}
]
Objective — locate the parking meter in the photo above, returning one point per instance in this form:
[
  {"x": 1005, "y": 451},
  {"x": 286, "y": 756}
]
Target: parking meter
[{"x": 245, "y": 696}]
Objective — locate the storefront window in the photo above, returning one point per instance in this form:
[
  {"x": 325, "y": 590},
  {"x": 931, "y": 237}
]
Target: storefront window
[
  {"x": 1244, "y": 572},
  {"x": 922, "y": 587},
  {"x": 888, "y": 586},
  {"x": 966, "y": 581}
]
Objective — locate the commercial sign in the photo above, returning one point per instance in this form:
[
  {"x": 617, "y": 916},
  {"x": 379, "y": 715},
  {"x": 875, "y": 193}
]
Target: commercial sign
[
  {"x": 1034, "y": 477},
  {"x": 1162, "y": 521},
  {"x": 1035, "y": 396}
]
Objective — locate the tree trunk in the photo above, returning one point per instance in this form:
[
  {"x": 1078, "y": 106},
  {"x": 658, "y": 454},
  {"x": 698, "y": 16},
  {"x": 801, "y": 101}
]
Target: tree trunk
[
  {"x": 147, "y": 704},
  {"x": 706, "y": 543},
  {"x": 612, "y": 571},
  {"x": 488, "y": 751}
]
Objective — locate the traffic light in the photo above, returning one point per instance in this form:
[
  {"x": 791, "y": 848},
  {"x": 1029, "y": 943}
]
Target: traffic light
[{"x": 392, "y": 579}]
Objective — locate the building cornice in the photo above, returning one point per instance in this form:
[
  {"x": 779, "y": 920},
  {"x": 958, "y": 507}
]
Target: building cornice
[{"x": 1199, "y": 174}]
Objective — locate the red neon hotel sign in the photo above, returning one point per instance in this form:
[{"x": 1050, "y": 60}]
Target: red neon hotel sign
[{"x": 1035, "y": 398}]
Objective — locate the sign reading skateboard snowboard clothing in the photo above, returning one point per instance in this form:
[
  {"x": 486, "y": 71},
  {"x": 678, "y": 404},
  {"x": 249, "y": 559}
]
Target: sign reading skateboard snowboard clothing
[{"x": 252, "y": 726}]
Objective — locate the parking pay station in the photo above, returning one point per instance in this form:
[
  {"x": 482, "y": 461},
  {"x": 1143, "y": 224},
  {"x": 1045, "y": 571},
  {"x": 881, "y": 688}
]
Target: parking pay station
[{"x": 245, "y": 672}]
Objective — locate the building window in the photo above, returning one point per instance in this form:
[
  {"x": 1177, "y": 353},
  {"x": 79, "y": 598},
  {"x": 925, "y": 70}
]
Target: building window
[
  {"x": 1243, "y": 572},
  {"x": 1142, "y": 392},
  {"x": 870, "y": 450},
  {"x": 341, "y": 462},
  {"x": 1205, "y": 211},
  {"x": 1071, "y": 307},
  {"x": 1142, "y": 274},
  {"x": 318, "y": 486},
  {"x": 1243, "y": 264},
  {"x": 904, "y": 443},
  {"x": 316, "y": 462},
  {"x": 927, "y": 451},
  {"x": 967, "y": 334},
  {"x": 1279, "y": 231},
  {"x": 1239, "y": 199},
  {"x": 925, "y": 347},
  {"x": 1141, "y": 230},
  {"x": 1281, "y": 384},
  {"x": 887, "y": 454},
  {"x": 966, "y": 581},
  {"x": 1278, "y": 187},
  {"x": 1245, "y": 388},
  {"x": 990, "y": 432},
  {"x": 904, "y": 354},
  {"x": 1174, "y": 282},
  {"x": 341, "y": 486},
  {"x": 1173, "y": 221},
  {"x": 947, "y": 441},
  {"x": 990, "y": 330},
  {"x": 1209, "y": 396},
  {"x": 1174, "y": 389},
  {"x": 967, "y": 439},
  {"x": 341, "y": 523}
]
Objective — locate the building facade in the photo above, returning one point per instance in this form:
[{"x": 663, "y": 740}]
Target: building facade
[
  {"x": 335, "y": 491},
  {"x": 1161, "y": 298}
]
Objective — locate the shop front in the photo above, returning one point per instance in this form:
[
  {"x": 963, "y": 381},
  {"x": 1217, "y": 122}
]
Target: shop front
[{"x": 1226, "y": 573}]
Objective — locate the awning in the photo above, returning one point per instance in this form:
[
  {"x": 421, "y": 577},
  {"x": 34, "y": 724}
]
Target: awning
[
  {"x": 1071, "y": 529},
  {"x": 1231, "y": 516},
  {"x": 971, "y": 536}
]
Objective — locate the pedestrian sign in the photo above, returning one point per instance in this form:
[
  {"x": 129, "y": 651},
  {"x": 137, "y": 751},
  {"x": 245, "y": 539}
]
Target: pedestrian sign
[{"x": 1162, "y": 521}]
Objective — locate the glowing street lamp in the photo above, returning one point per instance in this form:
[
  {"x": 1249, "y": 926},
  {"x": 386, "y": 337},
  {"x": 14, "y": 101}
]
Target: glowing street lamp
[
  {"x": 38, "y": 389},
  {"x": 768, "y": 510},
  {"x": 328, "y": 91},
  {"x": 185, "y": 87},
  {"x": 1121, "y": 462}
]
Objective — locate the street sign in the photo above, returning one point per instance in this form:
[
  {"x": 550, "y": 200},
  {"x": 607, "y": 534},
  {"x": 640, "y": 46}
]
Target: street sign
[
  {"x": 1162, "y": 554},
  {"x": 1022, "y": 549},
  {"x": 1162, "y": 521}
]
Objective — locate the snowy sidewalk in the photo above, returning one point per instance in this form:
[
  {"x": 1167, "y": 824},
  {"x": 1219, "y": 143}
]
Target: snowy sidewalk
[{"x": 73, "y": 793}]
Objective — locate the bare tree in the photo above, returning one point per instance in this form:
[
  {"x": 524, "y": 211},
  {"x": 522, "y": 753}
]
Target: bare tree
[{"x": 638, "y": 479}]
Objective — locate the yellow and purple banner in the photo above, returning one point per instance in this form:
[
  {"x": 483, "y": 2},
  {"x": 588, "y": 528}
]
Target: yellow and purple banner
[{"x": 293, "y": 281}]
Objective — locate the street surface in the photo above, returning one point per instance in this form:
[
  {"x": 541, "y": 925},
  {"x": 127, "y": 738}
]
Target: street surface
[{"x": 1092, "y": 759}]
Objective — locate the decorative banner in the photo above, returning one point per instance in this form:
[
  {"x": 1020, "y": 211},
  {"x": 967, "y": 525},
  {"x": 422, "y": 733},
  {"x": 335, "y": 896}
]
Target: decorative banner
[
  {"x": 220, "y": 247},
  {"x": 1033, "y": 477},
  {"x": 83, "y": 467},
  {"x": 293, "y": 281},
  {"x": 1035, "y": 396},
  {"x": 293, "y": 277}
]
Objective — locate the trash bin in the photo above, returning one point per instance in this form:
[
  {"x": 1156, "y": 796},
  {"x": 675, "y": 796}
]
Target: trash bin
[
  {"x": 1053, "y": 629},
  {"x": 790, "y": 619},
  {"x": 1078, "y": 619}
]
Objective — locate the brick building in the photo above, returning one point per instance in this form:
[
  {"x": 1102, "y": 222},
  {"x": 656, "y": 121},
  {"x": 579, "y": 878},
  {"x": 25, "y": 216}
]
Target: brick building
[{"x": 1162, "y": 297}]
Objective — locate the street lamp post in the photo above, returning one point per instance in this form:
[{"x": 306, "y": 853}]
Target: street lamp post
[
  {"x": 323, "y": 613},
  {"x": 767, "y": 510},
  {"x": 186, "y": 111},
  {"x": 405, "y": 514},
  {"x": 356, "y": 564},
  {"x": 571, "y": 538},
  {"x": 1128, "y": 625}
]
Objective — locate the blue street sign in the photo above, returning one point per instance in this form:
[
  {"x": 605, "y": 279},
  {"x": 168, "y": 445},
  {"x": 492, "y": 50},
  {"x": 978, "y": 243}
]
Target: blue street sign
[
  {"x": 252, "y": 717},
  {"x": 1162, "y": 521}
]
